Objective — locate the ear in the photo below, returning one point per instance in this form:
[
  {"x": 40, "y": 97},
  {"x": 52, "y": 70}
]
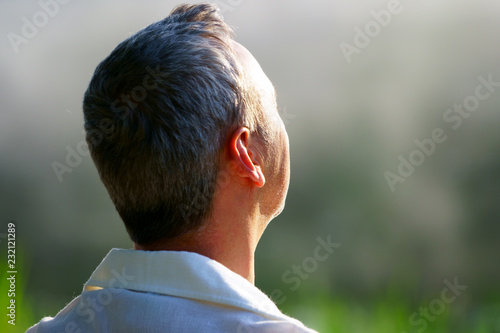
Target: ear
[{"x": 244, "y": 157}]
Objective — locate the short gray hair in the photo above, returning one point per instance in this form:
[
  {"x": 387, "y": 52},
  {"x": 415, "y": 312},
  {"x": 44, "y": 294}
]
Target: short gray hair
[{"x": 170, "y": 96}]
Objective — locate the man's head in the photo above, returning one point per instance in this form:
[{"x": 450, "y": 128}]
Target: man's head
[{"x": 164, "y": 113}]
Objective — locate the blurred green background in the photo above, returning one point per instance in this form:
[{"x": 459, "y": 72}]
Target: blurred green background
[{"x": 349, "y": 123}]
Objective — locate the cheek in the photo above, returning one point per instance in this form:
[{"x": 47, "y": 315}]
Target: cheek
[
  {"x": 279, "y": 155},
  {"x": 285, "y": 160},
  {"x": 286, "y": 148}
]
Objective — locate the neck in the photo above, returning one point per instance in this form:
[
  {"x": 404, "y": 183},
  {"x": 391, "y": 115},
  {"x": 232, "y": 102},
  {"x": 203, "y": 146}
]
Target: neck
[
  {"x": 231, "y": 242},
  {"x": 233, "y": 245},
  {"x": 229, "y": 236}
]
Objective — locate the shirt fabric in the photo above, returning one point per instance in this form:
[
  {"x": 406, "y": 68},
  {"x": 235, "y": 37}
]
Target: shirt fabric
[{"x": 168, "y": 291}]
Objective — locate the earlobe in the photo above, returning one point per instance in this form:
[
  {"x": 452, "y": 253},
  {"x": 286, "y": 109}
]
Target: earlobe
[
  {"x": 245, "y": 160},
  {"x": 259, "y": 180}
]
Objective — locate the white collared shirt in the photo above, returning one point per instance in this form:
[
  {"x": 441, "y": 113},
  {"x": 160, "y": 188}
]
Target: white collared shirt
[{"x": 167, "y": 291}]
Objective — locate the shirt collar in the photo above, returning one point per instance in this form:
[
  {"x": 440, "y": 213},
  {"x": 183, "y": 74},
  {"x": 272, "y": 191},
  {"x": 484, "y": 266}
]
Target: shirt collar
[{"x": 181, "y": 274}]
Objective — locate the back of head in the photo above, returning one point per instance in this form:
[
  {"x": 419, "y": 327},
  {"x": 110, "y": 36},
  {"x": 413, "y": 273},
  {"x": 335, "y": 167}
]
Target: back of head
[{"x": 157, "y": 112}]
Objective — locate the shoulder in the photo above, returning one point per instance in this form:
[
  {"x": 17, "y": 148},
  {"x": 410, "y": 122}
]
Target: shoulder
[{"x": 129, "y": 311}]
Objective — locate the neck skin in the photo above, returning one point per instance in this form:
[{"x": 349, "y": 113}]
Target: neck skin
[{"x": 230, "y": 235}]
